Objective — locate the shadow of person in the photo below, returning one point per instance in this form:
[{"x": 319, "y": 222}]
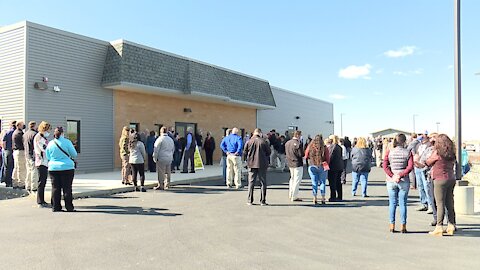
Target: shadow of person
[{"x": 125, "y": 210}]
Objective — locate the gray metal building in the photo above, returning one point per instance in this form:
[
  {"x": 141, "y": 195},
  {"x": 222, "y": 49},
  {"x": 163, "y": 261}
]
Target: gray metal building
[{"x": 296, "y": 111}]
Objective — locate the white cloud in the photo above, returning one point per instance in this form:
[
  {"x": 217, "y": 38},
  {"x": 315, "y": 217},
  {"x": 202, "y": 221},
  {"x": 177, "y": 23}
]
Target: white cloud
[
  {"x": 402, "y": 52},
  {"x": 338, "y": 96},
  {"x": 355, "y": 72},
  {"x": 418, "y": 71}
]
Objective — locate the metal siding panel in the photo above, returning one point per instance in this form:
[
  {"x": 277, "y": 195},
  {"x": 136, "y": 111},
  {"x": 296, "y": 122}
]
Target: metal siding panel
[
  {"x": 76, "y": 66},
  {"x": 12, "y": 66},
  {"x": 313, "y": 113}
]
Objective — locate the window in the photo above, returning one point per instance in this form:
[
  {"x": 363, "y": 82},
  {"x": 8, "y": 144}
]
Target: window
[
  {"x": 159, "y": 126},
  {"x": 73, "y": 133},
  {"x": 135, "y": 126}
]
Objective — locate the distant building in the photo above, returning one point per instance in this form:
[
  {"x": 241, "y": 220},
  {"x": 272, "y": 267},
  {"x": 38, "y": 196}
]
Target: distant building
[{"x": 389, "y": 133}]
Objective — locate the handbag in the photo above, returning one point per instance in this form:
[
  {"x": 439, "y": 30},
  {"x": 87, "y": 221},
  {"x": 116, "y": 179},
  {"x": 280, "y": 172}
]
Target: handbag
[{"x": 61, "y": 149}]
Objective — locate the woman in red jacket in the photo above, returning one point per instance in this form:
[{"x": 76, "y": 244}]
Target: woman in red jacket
[{"x": 442, "y": 162}]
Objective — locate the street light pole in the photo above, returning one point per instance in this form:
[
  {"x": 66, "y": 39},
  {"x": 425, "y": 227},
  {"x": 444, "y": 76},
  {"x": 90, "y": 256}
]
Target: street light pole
[
  {"x": 341, "y": 125},
  {"x": 414, "y": 122},
  {"x": 458, "y": 89}
]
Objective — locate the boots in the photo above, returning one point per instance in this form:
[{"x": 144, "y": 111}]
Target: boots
[
  {"x": 404, "y": 228},
  {"x": 450, "y": 229},
  {"x": 437, "y": 232},
  {"x": 392, "y": 228}
]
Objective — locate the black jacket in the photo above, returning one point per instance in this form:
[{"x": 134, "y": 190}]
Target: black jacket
[
  {"x": 257, "y": 153},
  {"x": 336, "y": 159}
]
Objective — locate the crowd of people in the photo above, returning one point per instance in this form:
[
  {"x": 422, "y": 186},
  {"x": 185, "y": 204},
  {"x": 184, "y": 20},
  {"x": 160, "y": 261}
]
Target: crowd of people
[{"x": 29, "y": 155}]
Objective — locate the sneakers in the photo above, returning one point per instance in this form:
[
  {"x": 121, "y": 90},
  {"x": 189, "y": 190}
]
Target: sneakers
[
  {"x": 239, "y": 187},
  {"x": 422, "y": 208},
  {"x": 249, "y": 203},
  {"x": 430, "y": 210}
]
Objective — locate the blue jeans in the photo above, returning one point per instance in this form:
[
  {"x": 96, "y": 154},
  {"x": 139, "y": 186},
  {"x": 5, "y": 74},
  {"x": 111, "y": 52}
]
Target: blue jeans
[
  {"x": 420, "y": 176},
  {"x": 361, "y": 177},
  {"x": 224, "y": 168},
  {"x": 319, "y": 177},
  {"x": 398, "y": 194}
]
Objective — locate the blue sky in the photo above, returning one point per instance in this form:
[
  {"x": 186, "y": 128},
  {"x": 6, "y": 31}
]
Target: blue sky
[{"x": 379, "y": 62}]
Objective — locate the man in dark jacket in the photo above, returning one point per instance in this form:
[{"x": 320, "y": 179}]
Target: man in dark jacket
[
  {"x": 257, "y": 153},
  {"x": 336, "y": 167},
  {"x": 31, "y": 180},
  {"x": 294, "y": 152}
]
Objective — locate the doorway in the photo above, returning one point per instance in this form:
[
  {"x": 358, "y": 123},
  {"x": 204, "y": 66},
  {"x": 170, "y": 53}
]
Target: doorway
[{"x": 181, "y": 128}]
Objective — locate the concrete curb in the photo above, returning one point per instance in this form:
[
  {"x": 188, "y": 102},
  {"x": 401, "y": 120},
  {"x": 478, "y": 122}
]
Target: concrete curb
[{"x": 125, "y": 189}]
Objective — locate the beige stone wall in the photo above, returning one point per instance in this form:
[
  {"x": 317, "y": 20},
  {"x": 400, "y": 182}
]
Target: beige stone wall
[{"x": 148, "y": 110}]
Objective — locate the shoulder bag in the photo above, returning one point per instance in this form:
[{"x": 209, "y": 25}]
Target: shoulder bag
[{"x": 65, "y": 152}]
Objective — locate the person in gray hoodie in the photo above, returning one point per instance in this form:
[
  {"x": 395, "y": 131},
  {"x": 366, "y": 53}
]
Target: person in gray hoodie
[
  {"x": 361, "y": 163},
  {"x": 163, "y": 150},
  {"x": 137, "y": 160}
]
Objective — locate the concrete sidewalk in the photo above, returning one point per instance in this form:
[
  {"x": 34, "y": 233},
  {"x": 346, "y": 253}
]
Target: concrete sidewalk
[{"x": 107, "y": 183}]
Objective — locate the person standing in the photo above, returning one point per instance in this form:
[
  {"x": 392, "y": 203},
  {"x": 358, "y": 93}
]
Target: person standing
[
  {"x": 294, "y": 152},
  {"x": 31, "y": 179},
  {"x": 7, "y": 146},
  {"x": 361, "y": 162},
  {"x": 318, "y": 157},
  {"x": 257, "y": 153},
  {"x": 224, "y": 157},
  {"x": 60, "y": 154},
  {"x": 137, "y": 159},
  {"x": 345, "y": 156},
  {"x": 378, "y": 151},
  {"x": 209, "y": 147},
  {"x": 336, "y": 167},
  {"x": 420, "y": 176},
  {"x": 189, "y": 152},
  {"x": 465, "y": 163},
  {"x": 124, "y": 155},
  {"x": 420, "y": 161},
  {"x": 442, "y": 162},
  {"x": 150, "y": 145},
  {"x": 273, "y": 139},
  {"x": 19, "y": 162},
  {"x": 232, "y": 145},
  {"x": 397, "y": 164},
  {"x": 163, "y": 156},
  {"x": 40, "y": 143},
  {"x": 281, "y": 154}
]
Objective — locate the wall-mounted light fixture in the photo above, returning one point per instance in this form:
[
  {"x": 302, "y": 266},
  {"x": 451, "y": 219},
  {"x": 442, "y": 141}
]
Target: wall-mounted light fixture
[
  {"x": 187, "y": 110},
  {"x": 40, "y": 85}
]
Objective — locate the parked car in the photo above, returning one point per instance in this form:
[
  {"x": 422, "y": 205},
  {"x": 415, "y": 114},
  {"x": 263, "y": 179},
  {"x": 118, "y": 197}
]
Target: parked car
[{"x": 470, "y": 147}]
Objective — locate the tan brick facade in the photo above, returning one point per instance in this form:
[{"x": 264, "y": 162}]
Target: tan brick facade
[{"x": 148, "y": 110}]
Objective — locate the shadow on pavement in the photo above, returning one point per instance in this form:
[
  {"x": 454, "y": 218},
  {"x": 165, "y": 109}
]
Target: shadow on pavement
[
  {"x": 468, "y": 230},
  {"x": 128, "y": 210}
]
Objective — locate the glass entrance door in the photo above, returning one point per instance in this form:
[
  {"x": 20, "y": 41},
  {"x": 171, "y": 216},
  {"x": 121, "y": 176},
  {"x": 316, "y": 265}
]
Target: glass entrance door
[{"x": 181, "y": 128}]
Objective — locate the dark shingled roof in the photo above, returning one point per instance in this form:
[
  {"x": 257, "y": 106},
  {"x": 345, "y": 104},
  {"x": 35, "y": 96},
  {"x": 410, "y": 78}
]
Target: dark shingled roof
[{"x": 136, "y": 64}]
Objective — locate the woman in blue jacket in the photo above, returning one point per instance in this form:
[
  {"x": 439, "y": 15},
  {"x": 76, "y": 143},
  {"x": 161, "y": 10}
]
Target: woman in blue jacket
[{"x": 61, "y": 167}]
